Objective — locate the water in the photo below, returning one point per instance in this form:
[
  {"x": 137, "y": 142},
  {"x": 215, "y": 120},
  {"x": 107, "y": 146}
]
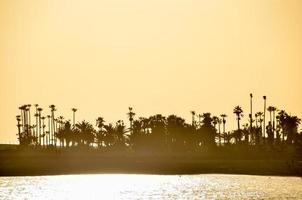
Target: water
[{"x": 127, "y": 186}]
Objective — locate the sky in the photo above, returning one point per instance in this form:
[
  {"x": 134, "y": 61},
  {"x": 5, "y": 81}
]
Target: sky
[{"x": 159, "y": 56}]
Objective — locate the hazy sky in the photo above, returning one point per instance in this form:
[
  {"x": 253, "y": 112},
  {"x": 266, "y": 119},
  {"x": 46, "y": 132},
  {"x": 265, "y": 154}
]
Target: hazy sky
[{"x": 159, "y": 56}]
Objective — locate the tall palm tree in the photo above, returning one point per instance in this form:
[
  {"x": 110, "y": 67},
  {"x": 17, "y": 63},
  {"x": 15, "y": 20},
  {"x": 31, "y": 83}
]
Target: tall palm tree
[
  {"x": 40, "y": 125},
  {"x": 238, "y": 112},
  {"x": 223, "y": 116},
  {"x": 43, "y": 128},
  {"x": 60, "y": 121},
  {"x": 264, "y": 111},
  {"x": 131, "y": 114},
  {"x": 18, "y": 117},
  {"x": 274, "y": 109},
  {"x": 74, "y": 110},
  {"x": 26, "y": 119},
  {"x": 49, "y": 134},
  {"x": 219, "y": 133},
  {"x": 53, "y": 109},
  {"x": 21, "y": 118},
  {"x": 193, "y": 118},
  {"x": 36, "y": 115},
  {"x": 29, "y": 116},
  {"x": 251, "y": 114}
]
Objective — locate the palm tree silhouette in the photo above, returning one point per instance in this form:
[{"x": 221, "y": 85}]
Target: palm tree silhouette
[
  {"x": 131, "y": 114},
  {"x": 219, "y": 133},
  {"x": 29, "y": 116},
  {"x": 18, "y": 117},
  {"x": 40, "y": 125},
  {"x": 26, "y": 119},
  {"x": 223, "y": 116},
  {"x": 43, "y": 128},
  {"x": 215, "y": 121},
  {"x": 193, "y": 118},
  {"x": 53, "y": 109},
  {"x": 86, "y": 133},
  {"x": 258, "y": 118},
  {"x": 100, "y": 134},
  {"x": 36, "y": 115},
  {"x": 270, "y": 109},
  {"x": 264, "y": 111},
  {"x": 199, "y": 119},
  {"x": 238, "y": 112},
  {"x": 49, "y": 133},
  {"x": 274, "y": 109},
  {"x": 74, "y": 110}
]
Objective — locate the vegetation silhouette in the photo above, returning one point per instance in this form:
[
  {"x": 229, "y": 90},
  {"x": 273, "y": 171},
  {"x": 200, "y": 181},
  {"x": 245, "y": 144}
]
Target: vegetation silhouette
[
  {"x": 158, "y": 133},
  {"x": 159, "y": 144}
]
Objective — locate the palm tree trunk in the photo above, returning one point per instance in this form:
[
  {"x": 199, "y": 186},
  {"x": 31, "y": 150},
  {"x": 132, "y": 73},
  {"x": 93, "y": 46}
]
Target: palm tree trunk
[
  {"x": 29, "y": 124},
  {"x": 49, "y": 133},
  {"x": 264, "y": 111},
  {"x": 274, "y": 117},
  {"x": 219, "y": 134},
  {"x": 224, "y": 132}
]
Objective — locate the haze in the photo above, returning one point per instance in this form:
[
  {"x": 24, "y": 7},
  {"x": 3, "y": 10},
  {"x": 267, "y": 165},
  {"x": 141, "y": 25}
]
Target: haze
[{"x": 158, "y": 56}]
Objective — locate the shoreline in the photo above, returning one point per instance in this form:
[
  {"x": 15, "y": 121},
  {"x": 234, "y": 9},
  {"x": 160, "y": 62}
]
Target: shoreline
[{"x": 23, "y": 163}]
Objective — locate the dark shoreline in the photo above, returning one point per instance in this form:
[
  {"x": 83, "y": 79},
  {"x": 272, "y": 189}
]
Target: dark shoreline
[{"x": 33, "y": 163}]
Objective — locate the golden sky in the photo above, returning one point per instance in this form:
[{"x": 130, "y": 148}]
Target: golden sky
[{"x": 159, "y": 56}]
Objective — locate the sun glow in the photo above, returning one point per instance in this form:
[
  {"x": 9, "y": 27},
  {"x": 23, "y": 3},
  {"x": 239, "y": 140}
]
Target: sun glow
[{"x": 157, "y": 56}]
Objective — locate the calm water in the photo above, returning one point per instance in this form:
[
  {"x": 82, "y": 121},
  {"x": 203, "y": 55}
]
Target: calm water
[{"x": 122, "y": 186}]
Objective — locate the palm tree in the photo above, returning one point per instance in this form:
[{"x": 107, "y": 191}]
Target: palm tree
[
  {"x": 109, "y": 135},
  {"x": 43, "y": 132},
  {"x": 256, "y": 119},
  {"x": 292, "y": 123},
  {"x": 60, "y": 122},
  {"x": 86, "y": 132},
  {"x": 40, "y": 125},
  {"x": 193, "y": 118},
  {"x": 199, "y": 119},
  {"x": 251, "y": 114},
  {"x": 53, "y": 109},
  {"x": 120, "y": 131},
  {"x": 74, "y": 110},
  {"x": 36, "y": 115},
  {"x": 18, "y": 117},
  {"x": 219, "y": 136},
  {"x": 258, "y": 116},
  {"x": 215, "y": 121},
  {"x": 274, "y": 109},
  {"x": 26, "y": 119},
  {"x": 100, "y": 134},
  {"x": 238, "y": 112},
  {"x": 223, "y": 116},
  {"x": 49, "y": 134},
  {"x": 131, "y": 115},
  {"x": 270, "y": 109},
  {"x": 264, "y": 111},
  {"x": 28, "y": 109}
]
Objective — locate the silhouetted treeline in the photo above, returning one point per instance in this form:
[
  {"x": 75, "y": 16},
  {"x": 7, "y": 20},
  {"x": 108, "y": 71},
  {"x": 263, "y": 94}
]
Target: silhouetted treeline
[{"x": 160, "y": 133}]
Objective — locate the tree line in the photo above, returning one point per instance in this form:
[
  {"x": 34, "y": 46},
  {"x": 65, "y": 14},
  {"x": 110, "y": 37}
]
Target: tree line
[{"x": 158, "y": 132}]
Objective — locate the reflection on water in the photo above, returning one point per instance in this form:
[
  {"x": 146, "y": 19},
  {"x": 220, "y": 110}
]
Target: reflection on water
[{"x": 126, "y": 186}]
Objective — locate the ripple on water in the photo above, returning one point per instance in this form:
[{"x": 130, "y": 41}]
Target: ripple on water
[{"x": 129, "y": 186}]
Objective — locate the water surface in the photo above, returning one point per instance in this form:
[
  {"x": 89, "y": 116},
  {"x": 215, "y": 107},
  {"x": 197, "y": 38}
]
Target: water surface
[{"x": 128, "y": 186}]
